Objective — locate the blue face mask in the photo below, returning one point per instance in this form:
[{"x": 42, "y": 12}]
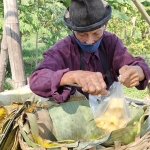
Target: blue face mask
[{"x": 90, "y": 48}]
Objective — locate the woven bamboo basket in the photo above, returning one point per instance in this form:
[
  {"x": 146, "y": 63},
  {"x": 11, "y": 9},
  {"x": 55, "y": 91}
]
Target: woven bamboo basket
[{"x": 139, "y": 144}]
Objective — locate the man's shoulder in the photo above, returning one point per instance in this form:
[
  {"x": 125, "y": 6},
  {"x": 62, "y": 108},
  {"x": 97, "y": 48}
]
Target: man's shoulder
[
  {"x": 109, "y": 35},
  {"x": 109, "y": 39},
  {"x": 62, "y": 46}
]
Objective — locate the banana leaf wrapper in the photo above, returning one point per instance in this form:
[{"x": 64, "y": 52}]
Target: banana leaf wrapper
[{"x": 74, "y": 121}]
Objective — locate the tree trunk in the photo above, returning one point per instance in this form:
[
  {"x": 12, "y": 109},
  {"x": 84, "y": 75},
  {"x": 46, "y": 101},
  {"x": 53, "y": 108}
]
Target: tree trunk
[
  {"x": 14, "y": 43},
  {"x": 3, "y": 60}
]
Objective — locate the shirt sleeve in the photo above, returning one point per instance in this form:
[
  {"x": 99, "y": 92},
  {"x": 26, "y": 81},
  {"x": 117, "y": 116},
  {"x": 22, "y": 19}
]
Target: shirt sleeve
[
  {"x": 45, "y": 80},
  {"x": 46, "y": 83},
  {"x": 122, "y": 57}
]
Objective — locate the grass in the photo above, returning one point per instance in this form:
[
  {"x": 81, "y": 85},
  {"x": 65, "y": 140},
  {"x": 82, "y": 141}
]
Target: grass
[
  {"x": 29, "y": 53},
  {"x": 134, "y": 93}
]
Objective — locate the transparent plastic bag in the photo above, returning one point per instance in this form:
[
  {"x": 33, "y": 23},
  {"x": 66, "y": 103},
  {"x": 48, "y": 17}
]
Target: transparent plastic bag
[{"x": 110, "y": 112}]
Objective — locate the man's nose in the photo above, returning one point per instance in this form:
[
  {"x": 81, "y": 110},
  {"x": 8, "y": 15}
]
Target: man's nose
[{"x": 90, "y": 40}]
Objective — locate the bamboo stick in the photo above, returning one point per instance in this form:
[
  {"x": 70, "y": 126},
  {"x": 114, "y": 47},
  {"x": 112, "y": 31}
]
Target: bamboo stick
[{"x": 142, "y": 10}]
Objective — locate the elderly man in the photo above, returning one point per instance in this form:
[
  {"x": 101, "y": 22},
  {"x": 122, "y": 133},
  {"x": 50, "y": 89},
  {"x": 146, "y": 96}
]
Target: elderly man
[{"x": 91, "y": 57}]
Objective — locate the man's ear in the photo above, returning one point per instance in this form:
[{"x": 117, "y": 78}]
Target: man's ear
[{"x": 106, "y": 24}]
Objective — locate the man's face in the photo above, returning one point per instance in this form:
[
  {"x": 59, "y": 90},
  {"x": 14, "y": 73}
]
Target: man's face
[{"x": 90, "y": 37}]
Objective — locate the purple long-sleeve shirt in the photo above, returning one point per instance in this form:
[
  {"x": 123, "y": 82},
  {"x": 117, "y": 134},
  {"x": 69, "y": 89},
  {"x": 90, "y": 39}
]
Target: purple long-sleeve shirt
[{"x": 64, "y": 56}]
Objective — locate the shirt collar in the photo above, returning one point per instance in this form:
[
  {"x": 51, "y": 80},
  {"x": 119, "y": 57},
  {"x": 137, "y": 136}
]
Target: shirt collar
[{"x": 88, "y": 55}]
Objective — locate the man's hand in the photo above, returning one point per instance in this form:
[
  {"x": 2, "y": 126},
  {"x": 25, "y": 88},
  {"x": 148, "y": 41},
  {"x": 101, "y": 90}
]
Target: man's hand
[
  {"x": 90, "y": 82},
  {"x": 130, "y": 76}
]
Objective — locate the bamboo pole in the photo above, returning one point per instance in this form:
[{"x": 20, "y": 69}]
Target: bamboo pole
[{"x": 142, "y": 10}]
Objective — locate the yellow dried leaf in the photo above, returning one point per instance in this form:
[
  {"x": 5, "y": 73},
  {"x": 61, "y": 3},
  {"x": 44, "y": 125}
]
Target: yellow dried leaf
[
  {"x": 3, "y": 112},
  {"x": 49, "y": 144},
  {"x": 43, "y": 142},
  {"x": 11, "y": 109},
  {"x": 17, "y": 104},
  {"x": 31, "y": 108}
]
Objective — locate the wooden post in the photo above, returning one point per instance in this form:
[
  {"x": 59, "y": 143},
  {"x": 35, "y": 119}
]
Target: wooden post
[
  {"x": 3, "y": 57},
  {"x": 117, "y": 145},
  {"x": 14, "y": 43}
]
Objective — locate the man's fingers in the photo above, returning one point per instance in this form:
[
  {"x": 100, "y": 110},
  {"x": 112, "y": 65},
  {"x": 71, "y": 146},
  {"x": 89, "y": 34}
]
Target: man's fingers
[
  {"x": 134, "y": 84},
  {"x": 105, "y": 93},
  {"x": 94, "y": 86},
  {"x": 129, "y": 74},
  {"x": 131, "y": 83},
  {"x": 84, "y": 88},
  {"x": 83, "y": 84},
  {"x": 101, "y": 80},
  {"x": 123, "y": 69},
  {"x": 92, "y": 83},
  {"x": 124, "y": 77},
  {"x": 134, "y": 80}
]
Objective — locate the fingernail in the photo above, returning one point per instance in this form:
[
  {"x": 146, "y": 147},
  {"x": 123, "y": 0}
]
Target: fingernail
[
  {"x": 99, "y": 95},
  {"x": 106, "y": 93}
]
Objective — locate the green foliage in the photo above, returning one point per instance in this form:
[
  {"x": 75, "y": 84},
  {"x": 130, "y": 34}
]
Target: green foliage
[
  {"x": 65, "y": 2},
  {"x": 7, "y": 86},
  {"x": 135, "y": 32},
  {"x": 120, "y": 15},
  {"x": 44, "y": 17},
  {"x": 29, "y": 52}
]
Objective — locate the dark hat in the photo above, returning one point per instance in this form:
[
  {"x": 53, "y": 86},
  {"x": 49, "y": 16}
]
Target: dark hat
[{"x": 87, "y": 15}]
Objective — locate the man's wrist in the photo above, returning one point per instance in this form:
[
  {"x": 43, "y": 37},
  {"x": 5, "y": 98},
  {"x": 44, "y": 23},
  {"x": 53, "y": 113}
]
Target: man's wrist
[
  {"x": 140, "y": 72},
  {"x": 68, "y": 77}
]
